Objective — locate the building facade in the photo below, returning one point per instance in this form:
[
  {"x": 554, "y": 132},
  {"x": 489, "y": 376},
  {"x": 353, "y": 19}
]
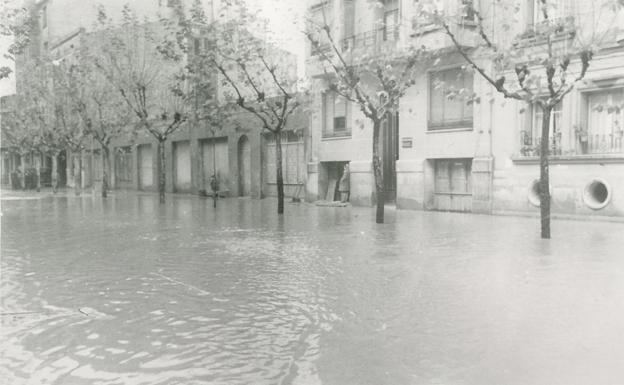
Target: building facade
[
  {"x": 239, "y": 154},
  {"x": 442, "y": 153}
]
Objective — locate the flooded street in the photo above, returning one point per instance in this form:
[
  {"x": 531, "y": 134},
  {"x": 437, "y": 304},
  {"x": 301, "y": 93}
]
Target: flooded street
[{"x": 124, "y": 291}]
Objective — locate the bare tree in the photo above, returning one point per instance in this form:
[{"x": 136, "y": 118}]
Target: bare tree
[
  {"x": 372, "y": 81},
  {"x": 102, "y": 112},
  {"x": 539, "y": 66},
  {"x": 151, "y": 86},
  {"x": 253, "y": 75},
  {"x": 29, "y": 126}
]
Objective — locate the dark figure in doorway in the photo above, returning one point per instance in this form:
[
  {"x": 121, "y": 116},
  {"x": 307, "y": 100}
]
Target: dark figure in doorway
[{"x": 344, "y": 186}]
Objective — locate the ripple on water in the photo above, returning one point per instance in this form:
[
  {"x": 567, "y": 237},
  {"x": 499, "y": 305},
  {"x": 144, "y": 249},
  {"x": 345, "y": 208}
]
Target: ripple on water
[{"x": 243, "y": 298}]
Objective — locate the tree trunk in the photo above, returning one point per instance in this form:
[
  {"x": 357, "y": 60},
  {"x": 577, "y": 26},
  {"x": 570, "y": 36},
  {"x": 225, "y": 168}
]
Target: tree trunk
[
  {"x": 23, "y": 173},
  {"x": 54, "y": 174},
  {"x": 161, "y": 170},
  {"x": 78, "y": 174},
  {"x": 105, "y": 170},
  {"x": 379, "y": 188},
  {"x": 38, "y": 171},
  {"x": 544, "y": 184},
  {"x": 280, "y": 178}
]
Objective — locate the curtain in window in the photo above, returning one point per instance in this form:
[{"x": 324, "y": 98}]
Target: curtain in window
[{"x": 605, "y": 116}]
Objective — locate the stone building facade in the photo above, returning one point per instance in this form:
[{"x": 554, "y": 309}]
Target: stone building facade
[
  {"x": 238, "y": 153},
  {"x": 449, "y": 155}
]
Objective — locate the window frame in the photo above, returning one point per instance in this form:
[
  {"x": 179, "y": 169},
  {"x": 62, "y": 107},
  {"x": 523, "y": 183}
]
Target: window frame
[
  {"x": 583, "y": 129},
  {"x": 462, "y": 124},
  {"x": 331, "y": 132},
  {"x": 44, "y": 17},
  {"x": 324, "y": 44},
  {"x": 531, "y": 132}
]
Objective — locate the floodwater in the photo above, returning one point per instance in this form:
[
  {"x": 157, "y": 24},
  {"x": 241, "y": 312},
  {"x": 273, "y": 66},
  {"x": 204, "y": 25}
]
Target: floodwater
[{"x": 125, "y": 291}]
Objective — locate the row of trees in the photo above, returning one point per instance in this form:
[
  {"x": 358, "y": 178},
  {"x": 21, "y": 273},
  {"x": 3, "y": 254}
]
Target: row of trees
[
  {"x": 147, "y": 76},
  {"x": 135, "y": 76},
  {"x": 546, "y": 61}
]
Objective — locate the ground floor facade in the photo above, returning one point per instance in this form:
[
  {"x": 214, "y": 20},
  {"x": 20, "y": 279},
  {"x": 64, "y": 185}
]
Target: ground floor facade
[
  {"x": 239, "y": 156},
  {"x": 449, "y": 155}
]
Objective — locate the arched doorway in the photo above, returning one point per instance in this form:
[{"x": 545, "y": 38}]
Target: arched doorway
[{"x": 244, "y": 166}]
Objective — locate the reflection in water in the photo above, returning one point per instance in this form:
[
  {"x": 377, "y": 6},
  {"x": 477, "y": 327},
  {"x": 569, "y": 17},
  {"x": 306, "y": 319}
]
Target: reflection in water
[{"x": 130, "y": 291}]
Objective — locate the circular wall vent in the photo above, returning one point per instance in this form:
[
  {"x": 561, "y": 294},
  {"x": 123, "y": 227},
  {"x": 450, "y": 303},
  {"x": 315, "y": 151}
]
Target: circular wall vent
[
  {"x": 533, "y": 193},
  {"x": 597, "y": 194}
]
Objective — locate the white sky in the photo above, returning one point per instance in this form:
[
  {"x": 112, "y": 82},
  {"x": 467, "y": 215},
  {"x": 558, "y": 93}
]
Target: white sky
[{"x": 285, "y": 25}]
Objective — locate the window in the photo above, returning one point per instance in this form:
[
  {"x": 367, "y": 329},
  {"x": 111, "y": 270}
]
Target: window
[
  {"x": 320, "y": 15},
  {"x": 335, "y": 116},
  {"x": 349, "y": 20},
  {"x": 452, "y": 176},
  {"x": 556, "y": 9},
  {"x": 196, "y": 46},
  {"x": 448, "y": 104},
  {"x": 605, "y": 123},
  {"x": 424, "y": 8},
  {"x": 531, "y": 137},
  {"x": 391, "y": 20},
  {"x": 468, "y": 11},
  {"x": 44, "y": 17}
]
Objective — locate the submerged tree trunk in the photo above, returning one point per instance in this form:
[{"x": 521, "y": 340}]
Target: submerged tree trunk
[
  {"x": 105, "y": 170},
  {"x": 161, "y": 170},
  {"x": 54, "y": 174},
  {"x": 379, "y": 188},
  {"x": 23, "y": 172},
  {"x": 544, "y": 184},
  {"x": 38, "y": 171},
  {"x": 280, "y": 178},
  {"x": 78, "y": 174}
]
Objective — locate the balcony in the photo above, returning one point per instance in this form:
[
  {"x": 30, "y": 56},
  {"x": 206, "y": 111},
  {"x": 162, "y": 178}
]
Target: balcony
[
  {"x": 531, "y": 146},
  {"x": 558, "y": 29},
  {"x": 606, "y": 144},
  {"x": 376, "y": 41},
  {"x": 585, "y": 145}
]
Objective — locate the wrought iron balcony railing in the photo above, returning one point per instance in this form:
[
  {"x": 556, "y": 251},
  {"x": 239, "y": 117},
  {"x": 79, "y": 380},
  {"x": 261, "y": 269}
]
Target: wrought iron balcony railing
[
  {"x": 375, "y": 40},
  {"x": 588, "y": 143},
  {"x": 530, "y": 146},
  {"x": 584, "y": 144}
]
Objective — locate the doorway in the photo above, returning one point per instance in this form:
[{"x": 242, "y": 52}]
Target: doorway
[
  {"x": 453, "y": 185},
  {"x": 182, "y": 166},
  {"x": 61, "y": 169},
  {"x": 244, "y": 166},
  {"x": 146, "y": 170},
  {"x": 215, "y": 162}
]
